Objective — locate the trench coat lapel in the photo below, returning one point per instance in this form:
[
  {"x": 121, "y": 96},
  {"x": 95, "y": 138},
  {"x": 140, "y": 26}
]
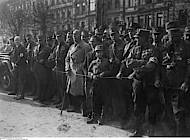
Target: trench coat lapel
[{"x": 75, "y": 48}]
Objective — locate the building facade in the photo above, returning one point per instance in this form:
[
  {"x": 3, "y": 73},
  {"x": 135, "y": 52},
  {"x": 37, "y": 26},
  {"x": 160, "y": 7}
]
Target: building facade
[
  {"x": 88, "y": 14},
  {"x": 148, "y": 13},
  {"x": 155, "y": 13},
  {"x": 63, "y": 14}
]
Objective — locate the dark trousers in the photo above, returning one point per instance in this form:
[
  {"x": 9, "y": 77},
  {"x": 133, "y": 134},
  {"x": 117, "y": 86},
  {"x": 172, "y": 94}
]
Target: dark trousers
[
  {"x": 88, "y": 95},
  {"x": 126, "y": 91},
  {"x": 99, "y": 89},
  {"x": 179, "y": 101},
  {"x": 30, "y": 80},
  {"x": 145, "y": 96},
  {"x": 60, "y": 84},
  {"x": 41, "y": 78},
  {"x": 19, "y": 79}
]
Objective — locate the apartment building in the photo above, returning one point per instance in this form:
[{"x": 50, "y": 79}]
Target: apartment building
[
  {"x": 63, "y": 14},
  {"x": 151, "y": 13},
  {"x": 69, "y": 14}
]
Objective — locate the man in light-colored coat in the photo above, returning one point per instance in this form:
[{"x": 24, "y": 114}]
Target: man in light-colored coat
[{"x": 74, "y": 66}]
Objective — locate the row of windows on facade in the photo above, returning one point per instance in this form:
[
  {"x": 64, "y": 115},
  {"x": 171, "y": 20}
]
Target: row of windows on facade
[
  {"x": 116, "y": 2},
  {"x": 112, "y": 4},
  {"x": 57, "y": 2},
  {"x": 132, "y": 3},
  {"x": 146, "y": 21},
  {"x": 81, "y": 7},
  {"x": 64, "y": 13}
]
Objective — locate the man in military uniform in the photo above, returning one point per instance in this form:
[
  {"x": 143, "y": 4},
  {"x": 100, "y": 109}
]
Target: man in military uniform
[
  {"x": 49, "y": 65},
  {"x": 30, "y": 50},
  {"x": 116, "y": 50},
  {"x": 91, "y": 55},
  {"x": 38, "y": 69},
  {"x": 98, "y": 69},
  {"x": 106, "y": 41},
  {"x": 158, "y": 53},
  {"x": 116, "y": 56},
  {"x": 60, "y": 54},
  {"x": 19, "y": 60},
  {"x": 157, "y": 44},
  {"x": 144, "y": 63},
  {"x": 133, "y": 28},
  {"x": 89, "y": 58},
  {"x": 30, "y": 46},
  {"x": 122, "y": 28},
  {"x": 69, "y": 38},
  {"x": 41, "y": 67},
  {"x": 176, "y": 78},
  {"x": 99, "y": 34}
]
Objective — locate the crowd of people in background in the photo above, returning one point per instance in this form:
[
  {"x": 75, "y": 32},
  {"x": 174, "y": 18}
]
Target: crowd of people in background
[{"x": 111, "y": 73}]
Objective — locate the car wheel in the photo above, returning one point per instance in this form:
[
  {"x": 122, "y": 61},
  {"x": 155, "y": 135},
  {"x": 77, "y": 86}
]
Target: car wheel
[{"x": 6, "y": 80}]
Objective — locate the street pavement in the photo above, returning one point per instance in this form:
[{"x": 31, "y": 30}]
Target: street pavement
[{"x": 26, "y": 118}]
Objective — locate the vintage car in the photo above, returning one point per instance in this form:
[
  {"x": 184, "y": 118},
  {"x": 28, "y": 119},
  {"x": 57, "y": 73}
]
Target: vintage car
[{"x": 6, "y": 74}]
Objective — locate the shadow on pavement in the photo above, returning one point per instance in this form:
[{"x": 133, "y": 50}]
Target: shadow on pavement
[{"x": 10, "y": 98}]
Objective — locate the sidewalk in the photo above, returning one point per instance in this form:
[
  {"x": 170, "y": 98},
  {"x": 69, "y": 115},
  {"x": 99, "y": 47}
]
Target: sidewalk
[{"x": 26, "y": 118}]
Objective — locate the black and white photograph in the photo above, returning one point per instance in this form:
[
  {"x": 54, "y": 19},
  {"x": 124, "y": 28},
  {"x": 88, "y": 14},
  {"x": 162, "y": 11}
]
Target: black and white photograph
[{"x": 94, "y": 68}]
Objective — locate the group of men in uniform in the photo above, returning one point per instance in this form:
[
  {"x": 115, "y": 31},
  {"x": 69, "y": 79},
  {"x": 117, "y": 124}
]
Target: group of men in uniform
[{"x": 109, "y": 74}]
